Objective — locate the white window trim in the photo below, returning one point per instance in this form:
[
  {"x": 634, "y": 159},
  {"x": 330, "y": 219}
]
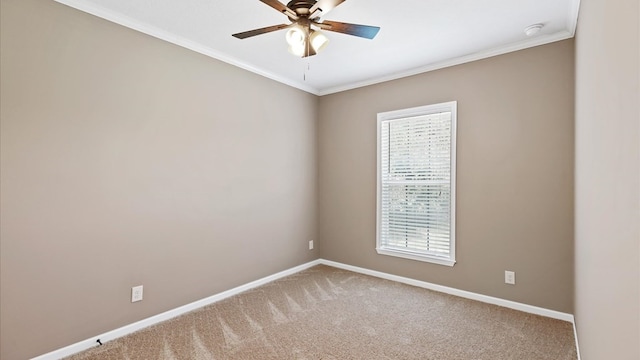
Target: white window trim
[{"x": 406, "y": 113}]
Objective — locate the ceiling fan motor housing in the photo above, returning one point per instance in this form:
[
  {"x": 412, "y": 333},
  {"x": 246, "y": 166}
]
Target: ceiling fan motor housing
[{"x": 301, "y": 7}]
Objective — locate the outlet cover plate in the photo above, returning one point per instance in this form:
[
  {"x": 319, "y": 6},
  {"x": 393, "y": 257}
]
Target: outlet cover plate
[
  {"x": 510, "y": 277},
  {"x": 136, "y": 293}
]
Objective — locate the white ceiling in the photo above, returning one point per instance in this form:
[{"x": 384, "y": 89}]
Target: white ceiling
[{"x": 415, "y": 36}]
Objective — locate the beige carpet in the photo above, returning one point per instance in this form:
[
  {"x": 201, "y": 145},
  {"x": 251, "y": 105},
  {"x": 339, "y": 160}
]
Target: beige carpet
[{"x": 327, "y": 313}]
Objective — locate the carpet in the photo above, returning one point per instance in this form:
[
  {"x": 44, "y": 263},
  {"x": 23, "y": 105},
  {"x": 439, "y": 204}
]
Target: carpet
[{"x": 328, "y": 313}]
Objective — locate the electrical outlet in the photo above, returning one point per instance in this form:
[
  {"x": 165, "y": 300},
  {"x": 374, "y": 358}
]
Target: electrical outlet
[
  {"x": 136, "y": 293},
  {"x": 510, "y": 277},
  {"x": 310, "y": 244}
]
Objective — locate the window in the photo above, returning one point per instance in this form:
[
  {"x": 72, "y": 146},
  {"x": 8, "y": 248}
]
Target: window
[{"x": 416, "y": 183}]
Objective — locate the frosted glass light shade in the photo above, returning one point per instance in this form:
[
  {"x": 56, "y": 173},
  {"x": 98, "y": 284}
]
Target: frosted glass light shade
[
  {"x": 318, "y": 41},
  {"x": 297, "y": 50},
  {"x": 296, "y": 36}
]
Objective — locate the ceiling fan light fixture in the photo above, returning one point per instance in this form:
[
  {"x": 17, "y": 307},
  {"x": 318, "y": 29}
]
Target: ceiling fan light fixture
[{"x": 303, "y": 45}]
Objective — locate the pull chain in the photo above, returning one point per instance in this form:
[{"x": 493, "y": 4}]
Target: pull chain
[
  {"x": 307, "y": 50},
  {"x": 304, "y": 72}
]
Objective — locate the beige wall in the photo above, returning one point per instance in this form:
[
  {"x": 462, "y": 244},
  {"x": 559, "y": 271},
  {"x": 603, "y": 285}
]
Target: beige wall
[
  {"x": 127, "y": 160},
  {"x": 514, "y": 174},
  {"x": 608, "y": 180}
]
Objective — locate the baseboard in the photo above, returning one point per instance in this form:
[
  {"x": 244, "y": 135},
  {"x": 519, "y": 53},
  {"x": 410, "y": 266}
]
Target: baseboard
[
  {"x": 575, "y": 335},
  {"x": 128, "y": 329},
  {"x": 131, "y": 328},
  {"x": 453, "y": 291}
]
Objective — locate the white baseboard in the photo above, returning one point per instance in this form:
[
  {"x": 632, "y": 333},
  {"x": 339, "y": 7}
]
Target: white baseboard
[
  {"x": 575, "y": 335},
  {"x": 131, "y": 328},
  {"x": 453, "y": 291},
  {"x": 128, "y": 329}
]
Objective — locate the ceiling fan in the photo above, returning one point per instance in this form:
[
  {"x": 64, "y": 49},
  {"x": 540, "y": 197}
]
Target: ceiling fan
[{"x": 304, "y": 37}]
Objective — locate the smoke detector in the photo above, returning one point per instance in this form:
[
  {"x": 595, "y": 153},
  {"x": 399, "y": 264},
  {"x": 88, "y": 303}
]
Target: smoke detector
[{"x": 533, "y": 29}]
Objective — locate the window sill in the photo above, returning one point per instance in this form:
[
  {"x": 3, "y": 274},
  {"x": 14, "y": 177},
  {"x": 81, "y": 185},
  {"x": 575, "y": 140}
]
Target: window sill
[{"x": 415, "y": 256}]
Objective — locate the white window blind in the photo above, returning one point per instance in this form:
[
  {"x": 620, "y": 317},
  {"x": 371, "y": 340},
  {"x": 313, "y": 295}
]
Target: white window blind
[{"x": 416, "y": 183}]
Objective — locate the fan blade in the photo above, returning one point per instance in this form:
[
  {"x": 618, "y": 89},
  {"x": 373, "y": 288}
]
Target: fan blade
[
  {"x": 325, "y": 5},
  {"x": 264, "y": 30},
  {"x": 281, "y": 8},
  {"x": 363, "y": 31}
]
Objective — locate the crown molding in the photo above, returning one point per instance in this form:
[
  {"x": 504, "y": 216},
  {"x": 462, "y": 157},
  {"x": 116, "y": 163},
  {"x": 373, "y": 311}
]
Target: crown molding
[
  {"x": 202, "y": 49},
  {"x": 178, "y": 40}
]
